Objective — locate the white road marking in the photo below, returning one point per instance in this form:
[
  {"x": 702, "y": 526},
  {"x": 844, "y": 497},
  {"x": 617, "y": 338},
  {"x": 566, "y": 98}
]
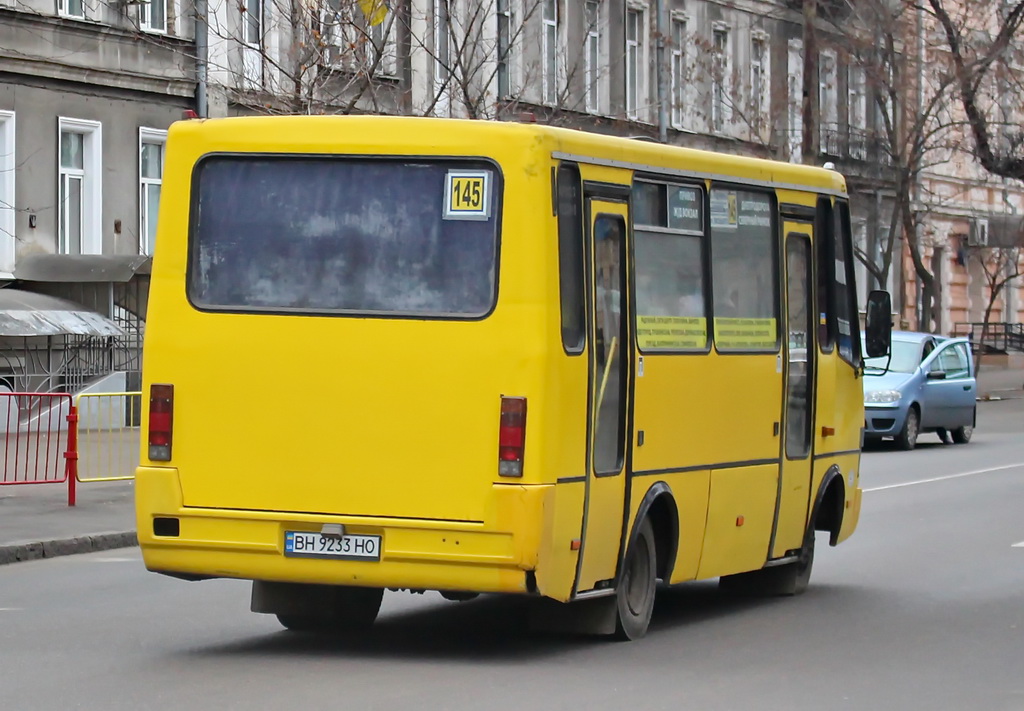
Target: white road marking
[
  {"x": 10, "y": 609},
  {"x": 1018, "y": 545},
  {"x": 989, "y": 470}
]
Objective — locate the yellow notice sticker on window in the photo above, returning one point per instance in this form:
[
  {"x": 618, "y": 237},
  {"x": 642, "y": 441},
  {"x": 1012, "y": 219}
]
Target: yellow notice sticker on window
[
  {"x": 671, "y": 332},
  {"x": 467, "y": 195},
  {"x": 746, "y": 333}
]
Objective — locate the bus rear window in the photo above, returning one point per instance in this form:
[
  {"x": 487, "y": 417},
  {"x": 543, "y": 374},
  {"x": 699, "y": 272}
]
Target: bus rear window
[{"x": 325, "y": 235}]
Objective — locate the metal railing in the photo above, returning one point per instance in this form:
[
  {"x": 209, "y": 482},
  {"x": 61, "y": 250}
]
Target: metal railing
[
  {"x": 54, "y": 438},
  {"x": 39, "y": 444},
  {"x": 108, "y": 435},
  {"x": 998, "y": 337}
]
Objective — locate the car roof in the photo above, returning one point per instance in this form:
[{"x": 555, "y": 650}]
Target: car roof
[{"x": 915, "y": 336}]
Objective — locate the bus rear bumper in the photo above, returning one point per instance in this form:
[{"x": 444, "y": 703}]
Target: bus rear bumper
[{"x": 415, "y": 554}]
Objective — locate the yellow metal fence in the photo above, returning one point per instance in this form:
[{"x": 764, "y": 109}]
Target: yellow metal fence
[{"x": 108, "y": 435}]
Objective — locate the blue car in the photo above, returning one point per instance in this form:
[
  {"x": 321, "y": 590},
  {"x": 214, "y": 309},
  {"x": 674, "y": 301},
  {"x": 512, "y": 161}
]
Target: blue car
[{"x": 929, "y": 387}]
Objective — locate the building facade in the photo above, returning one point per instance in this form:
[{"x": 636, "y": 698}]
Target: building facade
[{"x": 88, "y": 89}]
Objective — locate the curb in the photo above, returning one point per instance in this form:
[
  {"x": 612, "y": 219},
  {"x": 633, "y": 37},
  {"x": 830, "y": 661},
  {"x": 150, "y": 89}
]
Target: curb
[{"x": 37, "y": 550}]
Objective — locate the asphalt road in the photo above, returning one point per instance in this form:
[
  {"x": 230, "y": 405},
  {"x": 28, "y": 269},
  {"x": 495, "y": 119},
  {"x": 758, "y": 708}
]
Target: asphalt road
[{"x": 922, "y": 609}]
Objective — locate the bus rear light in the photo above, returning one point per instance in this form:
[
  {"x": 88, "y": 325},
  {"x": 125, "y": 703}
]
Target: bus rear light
[
  {"x": 161, "y": 422},
  {"x": 512, "y": 436}
]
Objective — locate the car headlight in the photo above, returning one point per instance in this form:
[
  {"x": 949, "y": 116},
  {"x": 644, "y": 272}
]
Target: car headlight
[{"x": 883, "y": 396}]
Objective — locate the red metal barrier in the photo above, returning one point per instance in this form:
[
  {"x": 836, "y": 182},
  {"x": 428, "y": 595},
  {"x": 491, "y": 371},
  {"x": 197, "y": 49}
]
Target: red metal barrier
[{"x": 39, "y": 439}]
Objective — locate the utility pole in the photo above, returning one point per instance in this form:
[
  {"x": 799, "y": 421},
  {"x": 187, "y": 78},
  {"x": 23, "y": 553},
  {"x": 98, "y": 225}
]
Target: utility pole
[{"x": 811, "y": 114}]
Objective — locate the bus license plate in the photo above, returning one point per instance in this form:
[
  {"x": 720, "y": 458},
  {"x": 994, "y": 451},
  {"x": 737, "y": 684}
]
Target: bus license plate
[{"x": 348, "y": 547}]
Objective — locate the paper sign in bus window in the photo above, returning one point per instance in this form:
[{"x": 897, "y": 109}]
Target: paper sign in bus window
[{"x": 467, "y": 195}]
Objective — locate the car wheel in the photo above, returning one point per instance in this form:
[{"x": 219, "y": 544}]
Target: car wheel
[
  {"x": 962, "y": 435},
  {"x": 907, "y": 438},
  {"x": 634, "y": 600}
]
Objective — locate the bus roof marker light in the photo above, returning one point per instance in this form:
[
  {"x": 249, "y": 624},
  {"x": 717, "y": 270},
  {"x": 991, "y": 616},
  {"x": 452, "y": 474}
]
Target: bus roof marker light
[{"x": 512, "y": 436}]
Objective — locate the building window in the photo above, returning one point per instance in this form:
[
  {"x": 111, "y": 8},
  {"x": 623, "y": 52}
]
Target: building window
[
  {"x": 634, "y": 60},
  {"x": 858, "y": 113},
  {"x": 79, "y": 187},
  {"x": 549, "y": 70},
  {"x": 153, "y": 15},
  {"x": 795, "y": 89},
  {"x": 828, "y": 98},
  {"x": 442, "y": 57},
  {"x": 356, "y": 43},
  {"x": 252, "y": 22},
  {"x": 71, "y": 8},
  {"x": 506, "y": 28},
  {"x": 759, "y": 80},
  {"x": 720, "y": 79},
  {"x": 151, "y": 169},
  {"x": 7, "y": 195},
  {"x": 592, "y": 12},
  {"x": 380, "y": 53},
  {"x": 678, "y": 71}
]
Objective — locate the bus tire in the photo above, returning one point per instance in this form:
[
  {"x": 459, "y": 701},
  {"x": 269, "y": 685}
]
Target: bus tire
[
  {"x": 777, "y": 580},
  {"x": 634, "y": 599},
  {"x": 352, "y": 610}
]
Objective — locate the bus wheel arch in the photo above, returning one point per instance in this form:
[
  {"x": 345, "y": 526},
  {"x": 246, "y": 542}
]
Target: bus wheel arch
[
  {"x": 659, "y": 505},
  {"x": 829, "y": 505}
]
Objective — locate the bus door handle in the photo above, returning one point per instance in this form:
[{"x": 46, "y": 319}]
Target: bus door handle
[{"x": 775, "y": 429}]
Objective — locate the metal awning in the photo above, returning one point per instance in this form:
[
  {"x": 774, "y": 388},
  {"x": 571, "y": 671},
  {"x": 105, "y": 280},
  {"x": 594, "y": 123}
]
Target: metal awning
[
  {"x": 26, "y": 313},
  {"x": 65, "y": 268}
]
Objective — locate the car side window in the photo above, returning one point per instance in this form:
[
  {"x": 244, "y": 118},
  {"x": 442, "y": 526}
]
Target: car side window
[{"x": 952, "y": 360}]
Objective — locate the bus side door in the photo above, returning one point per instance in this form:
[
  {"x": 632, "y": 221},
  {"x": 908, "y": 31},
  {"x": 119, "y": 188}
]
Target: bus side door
[
  {"x": 610, "y": 361},
  {"x": 798, "y": 409}
]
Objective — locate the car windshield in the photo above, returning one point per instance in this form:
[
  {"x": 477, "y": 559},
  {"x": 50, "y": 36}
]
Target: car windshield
[{"x": 906, "y": 356}]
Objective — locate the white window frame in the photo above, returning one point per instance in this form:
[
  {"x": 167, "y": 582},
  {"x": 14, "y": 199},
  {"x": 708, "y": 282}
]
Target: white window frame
[
  {"x": 795, "y": 99},
  {"x": 679, "y": 68},
  {"x": 828, "y": 96},
  {"x": 505, "y": 48},
  {"x": 8, "y": 211},
  {"x": 151, "y": 136},
  {"x": 721, "y": 78},
  {"x": 637, "y": 47},
  {"x": 92, "y": 182},
  {"x": 441, "y": 56},
  {"x": 592, "y": 49},
  {"x": 762, "y": 66},
  {"x": 857, "y": 116},
  {"x": 252, "y": 33},
  {"x": 146, "y": 16},
  {"x": 381, "y": 40},
  {"x": 549, "y": 53},
  {"x": 63, "y": 11}
]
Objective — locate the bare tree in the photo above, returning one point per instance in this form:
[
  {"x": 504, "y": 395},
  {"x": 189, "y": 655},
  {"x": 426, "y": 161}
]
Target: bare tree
[
  {"x": 915, "y": 132},
  {"x": 1000, "y": 267},
  {"x": 982, "y": 43}
]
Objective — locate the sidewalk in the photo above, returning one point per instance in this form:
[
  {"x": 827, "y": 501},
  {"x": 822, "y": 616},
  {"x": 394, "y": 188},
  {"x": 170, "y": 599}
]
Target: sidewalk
[{"x": 36, "y": 522}]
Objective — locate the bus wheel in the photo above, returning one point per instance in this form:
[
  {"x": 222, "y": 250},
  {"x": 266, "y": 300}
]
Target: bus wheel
[
  {"x": 351, "y": 610},
  {"x": 634, "y": 600},
  {"x": 788, "y": 579}
]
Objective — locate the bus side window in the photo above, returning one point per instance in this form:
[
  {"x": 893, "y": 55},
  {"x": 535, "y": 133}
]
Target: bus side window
[
  {"x": 824, "y": 243},
  {"x": 847, "y": 332},
  {"x": 570, "y": 257}
]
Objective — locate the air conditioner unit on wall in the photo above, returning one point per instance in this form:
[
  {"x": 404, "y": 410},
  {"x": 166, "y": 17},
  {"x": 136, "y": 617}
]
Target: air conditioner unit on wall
[{"x": 978, "y": 236}]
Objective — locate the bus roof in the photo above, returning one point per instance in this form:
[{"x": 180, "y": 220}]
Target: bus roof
[{"x": 397, "y": 134}]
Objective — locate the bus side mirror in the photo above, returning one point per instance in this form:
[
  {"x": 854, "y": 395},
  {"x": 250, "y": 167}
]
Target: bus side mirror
[{"x": 878, "y": 324}]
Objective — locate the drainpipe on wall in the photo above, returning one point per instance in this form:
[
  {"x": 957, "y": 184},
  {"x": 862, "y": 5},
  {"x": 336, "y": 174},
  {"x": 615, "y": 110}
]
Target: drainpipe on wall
[
  {"x": 662, "y": 10},
  {"x": 202, "y": 51}
]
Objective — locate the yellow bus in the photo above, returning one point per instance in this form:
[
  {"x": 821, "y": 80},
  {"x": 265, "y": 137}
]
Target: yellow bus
[{"x": 481, "y": 357}]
